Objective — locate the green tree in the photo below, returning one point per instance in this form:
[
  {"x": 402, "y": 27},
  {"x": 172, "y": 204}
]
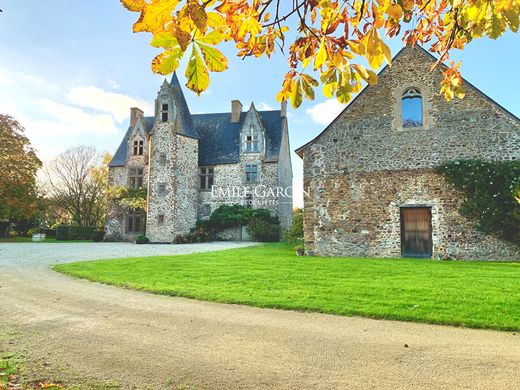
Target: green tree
[{"x": 18, "y": 198}]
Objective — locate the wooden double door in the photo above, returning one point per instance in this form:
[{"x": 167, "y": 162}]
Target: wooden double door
[{"x": 416, "y": 232}]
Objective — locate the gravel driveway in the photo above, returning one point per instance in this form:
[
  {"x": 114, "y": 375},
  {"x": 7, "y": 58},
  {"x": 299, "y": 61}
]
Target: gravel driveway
[{"x": 91, "y": 334}]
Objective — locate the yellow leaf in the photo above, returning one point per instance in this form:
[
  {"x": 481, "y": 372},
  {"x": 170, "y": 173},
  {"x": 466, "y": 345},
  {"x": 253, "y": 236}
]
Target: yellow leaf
[
  {"x": 395, "y": 11},
  {"x": 154, "y": 16},
  {"x": 167, "y": 62},
  {"x": 196, "y": 73},
  {"x": 215, "y": 60},
  {"x": 296, "y": 93},
  {"x": 164, "y": 40},
  {"x": 133, "y": 5},
  {"x": 386, "y": 53},
  {"x": 321, "y": 57},
  {"x": 211, "y": 38}
]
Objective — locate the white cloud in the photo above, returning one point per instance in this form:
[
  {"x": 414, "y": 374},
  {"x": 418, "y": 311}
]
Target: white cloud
[
  {"x": 207, "y": 92},
  {"x": 116, "y": 104},
  {"x": 263, "y": 106},
  {"x": 326, "y": 112},
  {"x": 69, "y": 119},
  {"x": 113, "y": 84}
]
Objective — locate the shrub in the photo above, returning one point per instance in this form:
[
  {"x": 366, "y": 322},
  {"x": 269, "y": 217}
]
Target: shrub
[
  {"x": 492, "y": 194},
  {"x": 198, "y": 234},
  {"x": 142, "y": 239},
  {"x": 264, "y": 230},
  {"x": 72, "y": 232},
  {"x": 294, "y": 234},
  {"x": 98, "y": 235}
]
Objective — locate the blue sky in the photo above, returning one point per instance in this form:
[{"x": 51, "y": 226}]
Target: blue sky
[{"x": 70, "y": 70}]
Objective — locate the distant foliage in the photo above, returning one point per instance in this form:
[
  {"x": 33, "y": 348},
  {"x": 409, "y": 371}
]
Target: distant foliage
[
  {"x": 492, "y": 194},
  {"x": 294, "y": 234},
  {"x": 128, "y": 197},
  {"x": 18, "y": 195}
]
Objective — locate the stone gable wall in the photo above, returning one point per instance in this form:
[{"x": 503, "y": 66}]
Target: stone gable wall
[{"x": 365, "y": 164}]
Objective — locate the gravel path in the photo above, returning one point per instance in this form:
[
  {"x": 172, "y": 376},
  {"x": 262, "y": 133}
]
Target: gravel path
[{"x": 81, "y": 332}]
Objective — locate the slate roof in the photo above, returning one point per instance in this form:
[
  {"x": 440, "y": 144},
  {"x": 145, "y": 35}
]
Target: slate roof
[
  {"x": 219, "y": 139},
  {"x": 185, "y": 122},
  {"x": 119, "y": 158}
]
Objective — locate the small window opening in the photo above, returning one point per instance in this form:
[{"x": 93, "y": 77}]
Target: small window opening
[
  {"x": 135, "y": 176},
  {"x": 251, "y": 171},
  {"x": 412, "y": 108},
  {"x": 164, "y": 112},
  {"x": 138, "y": 148},
  {"x": 206, "y": 178}
]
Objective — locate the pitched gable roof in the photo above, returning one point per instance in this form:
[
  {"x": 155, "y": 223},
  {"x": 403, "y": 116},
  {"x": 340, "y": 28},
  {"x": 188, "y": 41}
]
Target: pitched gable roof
[
  {"x": 119, "y": 158},
  {"x": 430, "y": 57},
  {"x": 219, "y": 141}
]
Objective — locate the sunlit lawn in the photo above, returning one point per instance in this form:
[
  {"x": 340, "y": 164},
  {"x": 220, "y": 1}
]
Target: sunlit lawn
[{"x": 473, "y": 294}]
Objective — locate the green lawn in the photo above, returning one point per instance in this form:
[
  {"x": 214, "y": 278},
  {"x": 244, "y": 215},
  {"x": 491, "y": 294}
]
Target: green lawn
[{"x": 472, "y": 294}]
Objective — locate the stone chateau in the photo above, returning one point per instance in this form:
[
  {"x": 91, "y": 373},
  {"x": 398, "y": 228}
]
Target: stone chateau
[
  {"x": 191, "y": 164},
  {"x": 370, "y": 175}
]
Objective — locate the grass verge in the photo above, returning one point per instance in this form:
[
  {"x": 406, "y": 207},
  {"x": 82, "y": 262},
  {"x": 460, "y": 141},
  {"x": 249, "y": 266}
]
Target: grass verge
[{"x": 471, "y": 294}]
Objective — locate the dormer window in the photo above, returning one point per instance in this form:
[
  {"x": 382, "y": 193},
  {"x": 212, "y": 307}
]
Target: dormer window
[
  {"x": 412, "y": 108},
  {"x": 252, "y": 142},
  {"x": 164, "y": 112},
  {"x": 138, "y": 147}
]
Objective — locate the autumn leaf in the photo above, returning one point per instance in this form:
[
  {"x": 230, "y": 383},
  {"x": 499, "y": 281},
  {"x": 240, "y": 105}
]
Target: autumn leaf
[
  {"x": 197, "y": 73},
  {"x": 215, "y": 60},
  {"x": 331, "y": 35}
]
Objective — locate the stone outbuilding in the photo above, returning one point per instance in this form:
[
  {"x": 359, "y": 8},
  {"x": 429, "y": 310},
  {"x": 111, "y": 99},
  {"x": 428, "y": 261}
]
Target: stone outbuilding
[
  {"x": 370, "y": 180},
  {"x": 191, "y": 164}
]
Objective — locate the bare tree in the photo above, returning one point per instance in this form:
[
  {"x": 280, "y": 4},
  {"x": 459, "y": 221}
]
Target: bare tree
[{"x": 76, "y": 184}]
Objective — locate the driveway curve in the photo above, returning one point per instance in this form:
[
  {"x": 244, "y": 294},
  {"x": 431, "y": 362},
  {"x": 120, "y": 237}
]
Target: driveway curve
[{"x": 89, "y": 334}]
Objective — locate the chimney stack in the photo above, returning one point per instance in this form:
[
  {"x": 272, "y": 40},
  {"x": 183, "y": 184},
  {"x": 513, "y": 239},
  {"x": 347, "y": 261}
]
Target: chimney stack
[
  {"x": 283, "y": 109},
  {"x": 236, "y": 110},
  {"x": 135, "y": 114}
]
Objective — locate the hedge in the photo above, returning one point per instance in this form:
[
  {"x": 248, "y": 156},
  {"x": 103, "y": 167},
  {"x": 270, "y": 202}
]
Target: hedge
[{"x": 71, "y": 232}]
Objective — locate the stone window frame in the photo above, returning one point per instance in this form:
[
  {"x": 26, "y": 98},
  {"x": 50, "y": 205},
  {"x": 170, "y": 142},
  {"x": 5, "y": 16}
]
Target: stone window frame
[
  {"x": 135, "y": 221},
  {"x": 160, "y": 219},
  {"x": 137, "y": 146},
  {"x": 163, "y": 159},
  {"x": 135, "y": 178},
  {"x": 206, "y": 178},
  {"x": 165, "y": 108},
  {"x": 245, "y": 170},
  {"x": 253, "y": 137},
  {"x": 397, "y": 107},
  {"x": 162, "y": 190}
]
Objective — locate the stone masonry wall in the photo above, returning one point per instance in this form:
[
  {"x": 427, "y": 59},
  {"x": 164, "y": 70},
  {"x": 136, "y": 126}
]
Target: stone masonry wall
[
  {"x": 359, "y": 215},
  {"x": 178, "y": 174},
  {"x": 365, "y": 164}
]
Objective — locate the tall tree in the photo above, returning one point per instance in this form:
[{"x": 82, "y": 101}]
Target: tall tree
[
  {"x": 329, "y": 34},
  {"x": 77, "y": 185},
  {"x": 19, "y": 165}
]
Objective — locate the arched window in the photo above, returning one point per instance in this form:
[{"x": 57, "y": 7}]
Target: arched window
[{"x": 411, "y": 108}]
